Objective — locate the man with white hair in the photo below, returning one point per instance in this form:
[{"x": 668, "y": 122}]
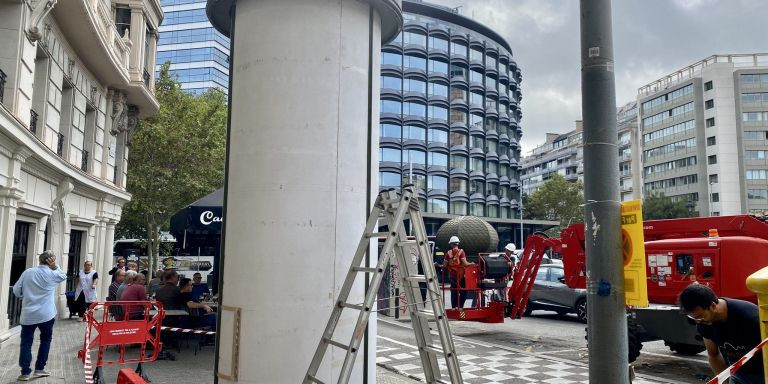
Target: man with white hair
[{"x": 37, "y": 290}]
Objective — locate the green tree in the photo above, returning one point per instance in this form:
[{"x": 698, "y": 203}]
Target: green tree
[
  {"x": 176, "y": 157},
  {"x": 557, "y": 200},
  {"x": 658, "y": 206}
]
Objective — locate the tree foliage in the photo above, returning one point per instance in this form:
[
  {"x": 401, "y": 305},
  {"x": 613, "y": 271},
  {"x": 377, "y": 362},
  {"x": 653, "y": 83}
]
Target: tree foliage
[
  {"x": 176, "y": 157},
  {"x": 557, "y": 200},
  {"x": 658, "y": 206}
]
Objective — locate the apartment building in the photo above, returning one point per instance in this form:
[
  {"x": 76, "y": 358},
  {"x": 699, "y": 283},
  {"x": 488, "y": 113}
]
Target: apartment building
[{"x": 705, "y": 135}]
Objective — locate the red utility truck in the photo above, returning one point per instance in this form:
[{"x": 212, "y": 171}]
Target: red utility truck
[{"x": 720, "y": 252}]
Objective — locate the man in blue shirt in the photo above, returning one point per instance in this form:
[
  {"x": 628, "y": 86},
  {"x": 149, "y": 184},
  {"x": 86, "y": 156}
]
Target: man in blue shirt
[
  {"x": 37, "y": 289},
  {"x": 198, "y": 287}
]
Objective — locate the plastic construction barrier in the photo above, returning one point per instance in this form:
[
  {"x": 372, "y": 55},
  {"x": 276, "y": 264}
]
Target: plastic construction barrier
[
  {"x": 121, "y": 324},
  {"x": 129, "y": 376}
]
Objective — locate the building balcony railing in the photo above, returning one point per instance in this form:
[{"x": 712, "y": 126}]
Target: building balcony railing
[
  {"x": 84, "y": 162},
  {"x": 14, "y": 308},
  {"x": 60, "y": 145},
  {"x": 2, "y": 85},
  {"x": 33, "y": 121},
  {"x": 146, "y": 77}
]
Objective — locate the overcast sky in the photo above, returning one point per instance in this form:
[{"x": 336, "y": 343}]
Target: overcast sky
[{"x": 652, "y": 38}]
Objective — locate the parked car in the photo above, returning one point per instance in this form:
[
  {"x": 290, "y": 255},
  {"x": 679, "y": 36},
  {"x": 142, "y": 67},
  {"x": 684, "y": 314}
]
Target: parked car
[{"x": 550, "y": 293}]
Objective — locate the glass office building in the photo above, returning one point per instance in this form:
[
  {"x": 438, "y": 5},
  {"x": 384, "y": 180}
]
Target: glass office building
[
  {"x": 450, "y": 117},
  {"x": 199, "y": 54}
]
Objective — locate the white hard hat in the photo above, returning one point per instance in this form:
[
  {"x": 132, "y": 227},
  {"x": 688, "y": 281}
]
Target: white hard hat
[
  {"x": 454, "y": 239},
  {"x": 510, "y": 247}
]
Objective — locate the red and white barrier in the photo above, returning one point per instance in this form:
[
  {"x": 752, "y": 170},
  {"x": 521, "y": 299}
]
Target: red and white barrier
[
  {"x": 87, "y": 366},
  {"x": 728, "y": 372},
  {"x": 185, "y": 330}
]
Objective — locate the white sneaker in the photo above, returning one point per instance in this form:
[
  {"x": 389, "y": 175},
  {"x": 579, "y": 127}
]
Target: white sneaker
[{"x": 40, "y": 373}]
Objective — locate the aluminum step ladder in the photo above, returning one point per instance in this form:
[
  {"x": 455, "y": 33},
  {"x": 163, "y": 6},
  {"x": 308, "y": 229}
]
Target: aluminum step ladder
[{"x": 394, "y": 208}]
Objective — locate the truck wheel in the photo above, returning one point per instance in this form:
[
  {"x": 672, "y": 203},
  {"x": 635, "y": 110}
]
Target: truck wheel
[
  {"x": 686, "y": 349},
  {"x": 633, "y": 340},
  {"x": 581, "y": 310}
]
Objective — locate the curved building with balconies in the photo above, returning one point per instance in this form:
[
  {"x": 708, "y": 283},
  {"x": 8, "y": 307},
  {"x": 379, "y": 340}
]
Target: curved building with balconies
[{"x": 450, "y": 117}]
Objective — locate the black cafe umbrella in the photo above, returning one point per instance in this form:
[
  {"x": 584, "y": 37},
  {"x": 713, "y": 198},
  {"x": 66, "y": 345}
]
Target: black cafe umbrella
[{"x": 199, "y": 221}]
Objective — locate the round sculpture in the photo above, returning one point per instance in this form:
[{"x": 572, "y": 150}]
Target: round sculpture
[{"x": 475, "y": 235}]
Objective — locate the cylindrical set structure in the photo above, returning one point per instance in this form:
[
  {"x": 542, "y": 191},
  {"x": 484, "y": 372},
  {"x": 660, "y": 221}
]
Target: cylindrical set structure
[
  {"x": 607, "y": 327},
  {"x": 304, "y": 97}
]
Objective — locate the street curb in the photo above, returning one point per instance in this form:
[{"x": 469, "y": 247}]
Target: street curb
[{"x": 539, "y": 355}]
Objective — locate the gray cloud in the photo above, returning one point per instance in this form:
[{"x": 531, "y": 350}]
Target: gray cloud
[{"x": 652, "y": 38}]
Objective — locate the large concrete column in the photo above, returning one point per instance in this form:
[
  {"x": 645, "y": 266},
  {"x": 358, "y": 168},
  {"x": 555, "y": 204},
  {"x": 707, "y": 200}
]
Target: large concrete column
[{"x": 304, "y": 96}]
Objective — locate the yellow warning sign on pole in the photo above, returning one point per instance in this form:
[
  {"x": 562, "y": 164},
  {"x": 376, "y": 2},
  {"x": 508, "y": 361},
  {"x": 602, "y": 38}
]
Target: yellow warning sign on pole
[{"x": 633, "y": 252}]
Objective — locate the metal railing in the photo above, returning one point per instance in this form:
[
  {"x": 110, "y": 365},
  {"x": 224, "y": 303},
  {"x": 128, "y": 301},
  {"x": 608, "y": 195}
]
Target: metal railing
[
  {"x": 60, "y": 145},
  {"x": 84, "y": 162},
  {"x": 33, "y": 121},
  {"x": 146, "y": 77},
  {"x": 14, "y": 308},
  {"x": 2, "y": 84}
]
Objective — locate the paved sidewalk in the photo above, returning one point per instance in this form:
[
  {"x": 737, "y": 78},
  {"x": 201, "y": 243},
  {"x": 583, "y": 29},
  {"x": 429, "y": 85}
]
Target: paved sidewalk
[{"x": 66, "y": 368}]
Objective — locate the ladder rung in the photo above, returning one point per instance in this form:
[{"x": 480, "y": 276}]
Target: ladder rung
[
  {"x": 435, "y": 349},
  {"x": 314, "y": 379},
  {"x": 428, "y": 314},
  {"x": 416, "y": 279},
  {"x": 377, "y": 234},
  {"x": 406, "y": 242},
  {"x": 337, "y": 344},
  {"x": 352, "y": 306},
  {"x": 366, "y": 270},
  {"x": 389, "y": 201}
]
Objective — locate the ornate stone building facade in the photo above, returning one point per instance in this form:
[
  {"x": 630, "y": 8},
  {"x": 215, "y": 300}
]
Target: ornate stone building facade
[{"x": 75, "y": 79}]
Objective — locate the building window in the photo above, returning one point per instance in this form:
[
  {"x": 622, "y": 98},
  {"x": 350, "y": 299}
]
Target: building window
[
  {"x": 493, "y": 211},
  {"x": 459, "y": 208},
  {"x": 712, "y": 159},
  {"x": 708, "y": 85},
  {"x": 713, "y": 179},
  {"x": 437, "y": 89},
  {"x": 437, "y": 205},
  {"x": 438, "y": 158},
  {"x": 757, "y": 194},
  {"x": 389, "y": 130},
  {"x": 391, "y": 155},
  {"x": 459, "y": 138},
  {"x": 754, "y": 155},
  {"x": 412, "y": 132},
  {"x": 477, "y": 209},
  {"x": 458, "y": 161},
  {"x": 437, "y": 182},
  {"x": 389, "y": 58},
  {"x": 715, "y": 197},
  {"x": 437, "y": 135},
  {"x": 755, "y": 135},
  {"x": 414, "y": 38},
  {"x": 710, "y": 122},
  {"x": 414, "y": 85},
  {"x": 389, "y": 179},
  {"x": 458, "y": 185},
  {"x": 476, "y": 186},
  {"x": 757, "y": 174},
  {"x": 709, "y": 104},
  {"x": 438, "y": 112},
  {"x": 438, "y": 43},
  {"x": 458, "y": 49},
  {"x": 711, "y": 141},
  {"x": 122, "y": 19},
  {"x": 389, "y": 82},
  {"x": 390, "y": 106},
  {"x": 415, "y": 62}
]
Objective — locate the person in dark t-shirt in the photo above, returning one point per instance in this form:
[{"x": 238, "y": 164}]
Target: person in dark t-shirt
[
  {"x": 169, "y": 294},
  {"x": 730, "y": 329}
]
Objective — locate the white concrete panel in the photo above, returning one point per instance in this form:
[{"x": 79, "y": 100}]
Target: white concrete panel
[{"x": 297, "y": 182}]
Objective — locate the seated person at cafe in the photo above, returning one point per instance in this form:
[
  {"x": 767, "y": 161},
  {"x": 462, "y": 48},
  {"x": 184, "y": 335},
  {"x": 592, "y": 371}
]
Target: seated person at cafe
[
  {"x": 135, "y": 292},
  {"x": 199, "y": 288},
  {"x": 169, "y": 293},
  {"x": 205, "y": 316}
]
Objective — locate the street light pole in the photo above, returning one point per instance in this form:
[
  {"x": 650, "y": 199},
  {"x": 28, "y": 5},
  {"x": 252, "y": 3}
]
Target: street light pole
[{"x": 606, "y": 313}]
